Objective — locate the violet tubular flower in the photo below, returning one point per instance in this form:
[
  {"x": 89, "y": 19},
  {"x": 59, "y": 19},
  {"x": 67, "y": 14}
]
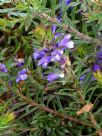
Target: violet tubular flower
[
  {"x": 39, "y": 54},
  {"x": 54, "y": 27},
  {"x": 66, "y": 42},
  {"x": 22, "y": 75},
  {"x": 67, "y": 2},
  {"x": 19, "y": 62},
  {"x": 54, "y": 76},
  {"x": 99, "y": 57},
  {"x": 44, "y": 61},
  {"x": 96, "y": 68},
  {"x": 56, "y": 55},
  {"x": 97, "y": 73},
  {"x": 3, "y": 68},
  {"x": 63, "y": 62}
]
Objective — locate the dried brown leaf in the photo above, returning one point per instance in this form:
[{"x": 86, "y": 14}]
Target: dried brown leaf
[{"x": 85, "y": 108}]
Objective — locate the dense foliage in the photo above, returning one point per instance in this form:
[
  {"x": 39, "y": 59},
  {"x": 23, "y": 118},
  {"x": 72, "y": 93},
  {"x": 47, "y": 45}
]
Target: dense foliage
[{"x": 50, "y": 67}]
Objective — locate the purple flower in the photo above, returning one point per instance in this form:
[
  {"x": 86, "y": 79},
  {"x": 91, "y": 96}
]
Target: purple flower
[
  {"x": 69, "y": 44},
  {"x": 96, "y": 68},
  {"x": 23, "y": 71},
  {"x": 3, "y": 68},
  {"x": 63, "y": 62},
  {"x": 66, "y": 42},
  {"x": 20, "y": 61},
  {"x": 54, "y": 27},
  {"x": 56, "y": 55},
  {"x": 82, "y": 77},
  {"x": 22, "y": 75},
  {"x": 65, "y": 39},
  {"x": 59, "y": 18},
  {"x": 38, "y": 54},
  {"x": 46, "y": 55},
  {"x": 44, "y": 61},
  {"x": 67, "y": 2},
  {"x": 99, "y": 57},
  {"x": 54, "y": 76}
]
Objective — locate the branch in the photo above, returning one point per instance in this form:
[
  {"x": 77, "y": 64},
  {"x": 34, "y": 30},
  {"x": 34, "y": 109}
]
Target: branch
[
  {"x": 71, "y": 30},
  {"x": 47, "y": 109},
  {"x": 24, "y": 129}
]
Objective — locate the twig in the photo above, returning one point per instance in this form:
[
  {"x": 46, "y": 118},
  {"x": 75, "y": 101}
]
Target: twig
[
  {"x": 47, "y": 109},
  {"x": 24, "y": 129},
  {"x": 71, "y": 30}
]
